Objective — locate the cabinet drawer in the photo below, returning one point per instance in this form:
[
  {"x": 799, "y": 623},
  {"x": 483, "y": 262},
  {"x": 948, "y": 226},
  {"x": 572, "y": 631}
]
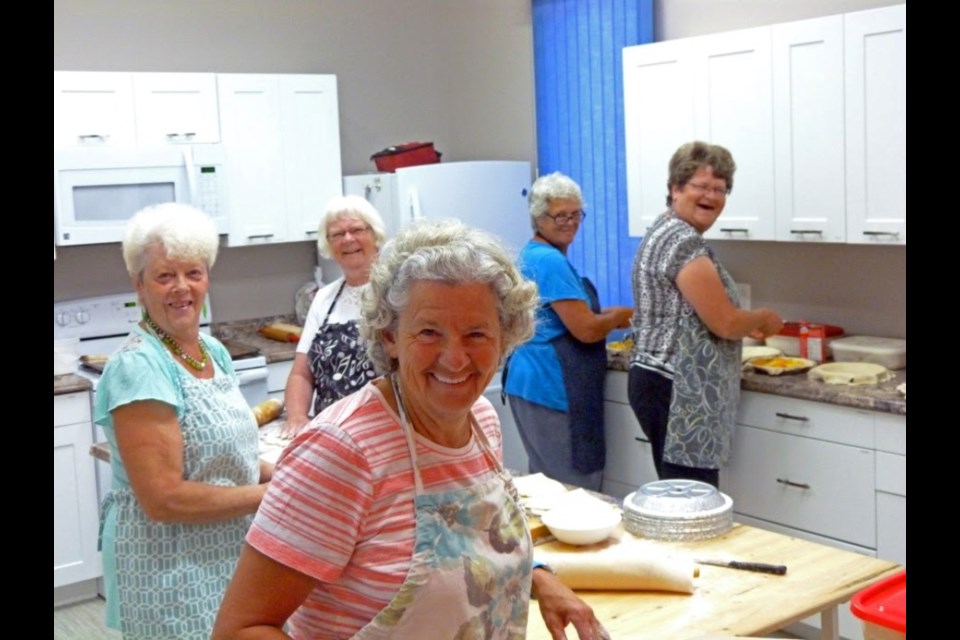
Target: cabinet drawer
[
  {"x": 891, "y": 433},
  {"x": 615, "y": 387},
  {"x": 810, "y": 419},
  {"x": 629, "y": 459},
  {"x": 808, "y": 484},
  {"x": 71, "y": 408},
  {"x": 892, "y": 473}
]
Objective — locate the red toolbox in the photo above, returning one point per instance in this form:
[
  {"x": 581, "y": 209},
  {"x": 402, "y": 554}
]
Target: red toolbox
[{"x": 408, "y": 154}]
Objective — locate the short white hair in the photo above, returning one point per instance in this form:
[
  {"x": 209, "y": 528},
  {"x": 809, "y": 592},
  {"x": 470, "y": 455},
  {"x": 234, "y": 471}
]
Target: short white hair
[
  {"x": 445, "y": 251},
  {"x": 349, "y": 206},
  {"x": 553, "y": 186},
  {"x": 184, "y": 233}
]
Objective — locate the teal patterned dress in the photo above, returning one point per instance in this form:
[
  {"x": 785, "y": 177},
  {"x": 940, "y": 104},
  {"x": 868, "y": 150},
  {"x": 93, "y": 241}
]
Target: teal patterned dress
[{"x": 166, "y": 580}]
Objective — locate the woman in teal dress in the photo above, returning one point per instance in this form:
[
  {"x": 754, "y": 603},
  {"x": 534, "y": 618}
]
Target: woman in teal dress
[{"x": 183, "y": 441}]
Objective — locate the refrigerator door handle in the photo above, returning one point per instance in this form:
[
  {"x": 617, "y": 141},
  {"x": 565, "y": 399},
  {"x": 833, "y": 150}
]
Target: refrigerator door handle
[{"x": 416, "y": 211}]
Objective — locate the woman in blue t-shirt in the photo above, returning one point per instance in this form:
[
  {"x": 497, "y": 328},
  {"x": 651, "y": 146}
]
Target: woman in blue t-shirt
[{"x": 555, "y": 381}]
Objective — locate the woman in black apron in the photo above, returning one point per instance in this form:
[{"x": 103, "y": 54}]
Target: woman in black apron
[
  {"x": 555, "y": 381},
  {"x": 331, "y": 360}
]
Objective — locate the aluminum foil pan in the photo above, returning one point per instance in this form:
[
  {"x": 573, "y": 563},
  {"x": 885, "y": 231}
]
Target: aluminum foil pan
[{"x": 677, "y": 510}]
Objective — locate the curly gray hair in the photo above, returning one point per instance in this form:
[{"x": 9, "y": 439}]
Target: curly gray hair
[
  {"x": 354, "y": 207},
  {"x": 693, "y": 156},
  {"x": 184, "y": 232},
  {"x": 553, "y": 186},
  {"x": 451, "y": 252}
]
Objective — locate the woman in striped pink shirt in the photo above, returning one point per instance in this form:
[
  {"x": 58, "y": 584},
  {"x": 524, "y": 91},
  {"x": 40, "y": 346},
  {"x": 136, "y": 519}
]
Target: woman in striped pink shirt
[{"x": 391, "y": 515}]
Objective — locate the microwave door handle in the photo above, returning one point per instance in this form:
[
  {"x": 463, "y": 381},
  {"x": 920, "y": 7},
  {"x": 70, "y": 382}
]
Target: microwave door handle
[{"x": 191, "y": 175}]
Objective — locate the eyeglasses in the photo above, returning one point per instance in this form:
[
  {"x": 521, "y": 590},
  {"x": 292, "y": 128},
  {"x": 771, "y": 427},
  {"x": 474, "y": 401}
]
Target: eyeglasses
[
  {"x": 720, "y": 192},
  {"x": 356, "y": 232},
  {"x": 566, "y": 218}
]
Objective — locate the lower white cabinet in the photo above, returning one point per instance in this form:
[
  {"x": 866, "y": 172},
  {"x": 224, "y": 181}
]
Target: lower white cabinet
[
  {"x": 821, "y": 472},
  {"x": 277, "y": 374},
  {"x": 629, "y": 457},
  {"x": 75, "y": 509}
]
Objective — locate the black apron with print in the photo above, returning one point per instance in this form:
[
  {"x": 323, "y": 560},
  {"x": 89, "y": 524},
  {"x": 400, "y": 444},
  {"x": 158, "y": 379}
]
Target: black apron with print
[{"x": 338, "y": 360}]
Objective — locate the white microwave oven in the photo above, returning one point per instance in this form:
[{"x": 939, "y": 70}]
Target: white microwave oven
[{"x": 97, "y": 190}]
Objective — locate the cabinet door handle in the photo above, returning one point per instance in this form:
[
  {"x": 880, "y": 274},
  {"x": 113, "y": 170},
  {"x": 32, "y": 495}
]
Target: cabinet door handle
[
  {"x": 801, "y": 232},
  {"x": 791, "y": 483},
  {"x": 266, "y": 236},
  {"x": 95, "y": 136},
  {"x": 886, "y": 234},
  {"x": 787, "y": 416},
  {"x": 735, "y": 230}
]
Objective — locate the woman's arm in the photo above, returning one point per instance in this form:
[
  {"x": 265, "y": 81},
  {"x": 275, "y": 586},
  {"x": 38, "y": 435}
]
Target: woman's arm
[
  {"x": 298, "y": 395},
  {"x": 700, "y": 284},
  {"x": 260, "y": 598},
  {"x": 587, "y": 326},
  {"x": 151, "y": 447}
]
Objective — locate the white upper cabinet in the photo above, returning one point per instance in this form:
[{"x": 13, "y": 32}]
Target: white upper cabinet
[
  {"x": 310, "y": 130},
  {"x": 808, "y": 121},
  {"x": 814, "y": 113},
  {"x": 733, "y": 102},
  {"x": 876, "y": 125},
  {"x": 121, "y": 109},
  {"x": 93, "y": 108},
  {"x": 658, "y": 116},
  {"x": 282, "y": 139},
  {"x": 176, "y": 108}
]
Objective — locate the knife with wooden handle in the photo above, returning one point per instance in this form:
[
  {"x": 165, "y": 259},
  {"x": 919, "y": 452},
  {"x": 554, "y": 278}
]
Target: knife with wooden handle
[{"x": 760, "y": 567}]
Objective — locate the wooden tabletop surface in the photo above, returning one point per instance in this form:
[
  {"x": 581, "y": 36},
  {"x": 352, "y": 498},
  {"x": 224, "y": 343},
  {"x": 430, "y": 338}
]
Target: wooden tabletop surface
[{"x": 729, "y": 601}]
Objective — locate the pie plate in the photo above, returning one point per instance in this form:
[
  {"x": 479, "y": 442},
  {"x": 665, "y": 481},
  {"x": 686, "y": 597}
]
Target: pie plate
[{"x": 778, "y": 365}]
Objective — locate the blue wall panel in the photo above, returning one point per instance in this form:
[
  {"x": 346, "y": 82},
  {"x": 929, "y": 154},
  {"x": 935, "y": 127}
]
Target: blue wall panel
[{"x": 579, "y": 94}]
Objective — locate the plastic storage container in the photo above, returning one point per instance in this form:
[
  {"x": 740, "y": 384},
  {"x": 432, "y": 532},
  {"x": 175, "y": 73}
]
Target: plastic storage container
[
  {"x": 889, "y": 352},
  {"x": 882, "y": 608}
]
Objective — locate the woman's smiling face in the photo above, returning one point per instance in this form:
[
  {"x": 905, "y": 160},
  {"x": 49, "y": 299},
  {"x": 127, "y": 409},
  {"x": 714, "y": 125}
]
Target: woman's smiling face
[
  {"x": 447, "y": 345},
  {"x": 700, "y": 201}
]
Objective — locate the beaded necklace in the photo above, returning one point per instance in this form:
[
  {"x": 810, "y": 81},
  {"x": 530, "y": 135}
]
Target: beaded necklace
[{"x": 199, "y": 365}]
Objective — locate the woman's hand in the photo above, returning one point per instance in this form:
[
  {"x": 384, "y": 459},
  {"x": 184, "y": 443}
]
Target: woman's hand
[
  {"x": 560, "y": 606},
  {"x": 297, "y": 396},
  {"x": 151, "y": 446}
]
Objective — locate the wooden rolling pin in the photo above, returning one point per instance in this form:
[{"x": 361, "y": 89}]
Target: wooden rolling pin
[
  {"x": 281, "y": 331},
  {"x": 267, "y": 411}
]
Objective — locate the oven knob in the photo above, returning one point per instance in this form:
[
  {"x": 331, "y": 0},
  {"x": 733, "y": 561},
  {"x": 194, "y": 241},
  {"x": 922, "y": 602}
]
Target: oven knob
[
  {"x": 63, "y": 318},
  {"x": 82, "y": 316}
]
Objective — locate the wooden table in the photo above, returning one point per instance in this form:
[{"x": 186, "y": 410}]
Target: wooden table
[{"x": 732, "y": 602}]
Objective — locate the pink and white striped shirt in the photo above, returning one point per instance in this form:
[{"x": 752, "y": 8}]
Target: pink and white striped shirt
[{"x": 340, "y": 507}]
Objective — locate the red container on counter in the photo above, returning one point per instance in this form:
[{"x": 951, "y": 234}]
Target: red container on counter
[
  {"x": 408, "y": 154},
  {"x": 811, "y": 337},
  {"x": 883, "y": 608}
]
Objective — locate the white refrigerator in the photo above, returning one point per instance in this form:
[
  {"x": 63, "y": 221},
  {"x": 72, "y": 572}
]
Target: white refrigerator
[{"x": 490, "y": 195}]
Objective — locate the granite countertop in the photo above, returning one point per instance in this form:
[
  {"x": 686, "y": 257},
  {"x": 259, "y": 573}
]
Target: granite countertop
[
  {"x": 245, "y": 332},
  {"x": 70, "y": 383},
  {"x": 873, "y": 397}
]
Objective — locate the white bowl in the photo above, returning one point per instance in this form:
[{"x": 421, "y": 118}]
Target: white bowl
[{"x": 580, "y": 526}]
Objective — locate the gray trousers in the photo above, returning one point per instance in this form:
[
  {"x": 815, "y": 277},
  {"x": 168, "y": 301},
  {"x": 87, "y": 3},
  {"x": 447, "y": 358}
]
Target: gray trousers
[{"x": 546, "y": 437}]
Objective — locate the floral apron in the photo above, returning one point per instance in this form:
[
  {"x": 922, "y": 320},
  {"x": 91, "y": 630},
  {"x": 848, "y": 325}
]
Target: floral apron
[
  {"x": 471, "y": 571},
  {"x": 706, "y": 391},
  {"x": 338, "y": 360}
]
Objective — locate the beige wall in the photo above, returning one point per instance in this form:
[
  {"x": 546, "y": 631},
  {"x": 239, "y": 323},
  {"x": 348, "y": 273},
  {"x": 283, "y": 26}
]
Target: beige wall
[{"x": 458, "y": 72}]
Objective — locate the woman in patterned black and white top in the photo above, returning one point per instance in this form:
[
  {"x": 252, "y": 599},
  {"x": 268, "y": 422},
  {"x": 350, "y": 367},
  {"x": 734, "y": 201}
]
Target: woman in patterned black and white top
[
  {"x": 684, "y": 381},
  {"x": 331, "y": 360}
]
